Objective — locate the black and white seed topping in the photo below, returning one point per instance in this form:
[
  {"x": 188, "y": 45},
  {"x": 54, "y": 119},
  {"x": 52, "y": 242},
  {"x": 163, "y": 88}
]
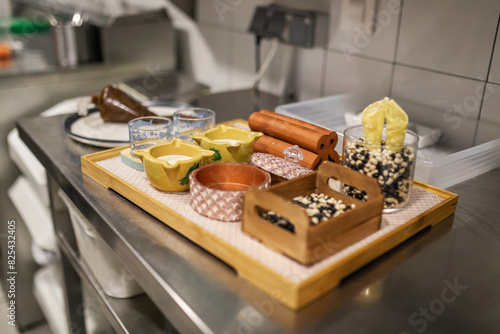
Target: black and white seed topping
[
  {"x": 319, "y": 208},
  {"x": 392, "y": 169}
]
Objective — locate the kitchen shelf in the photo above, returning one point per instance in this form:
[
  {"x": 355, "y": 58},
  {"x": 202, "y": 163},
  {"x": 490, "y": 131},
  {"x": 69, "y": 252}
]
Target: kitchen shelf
[{"x": 129, "y": 315}]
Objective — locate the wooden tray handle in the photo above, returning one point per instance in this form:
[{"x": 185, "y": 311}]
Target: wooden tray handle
[{"x": 351, "y": 177}]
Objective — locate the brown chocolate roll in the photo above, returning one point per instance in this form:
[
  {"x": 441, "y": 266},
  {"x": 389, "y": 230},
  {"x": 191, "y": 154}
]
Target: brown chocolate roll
[{"x": 117, "y": 106}]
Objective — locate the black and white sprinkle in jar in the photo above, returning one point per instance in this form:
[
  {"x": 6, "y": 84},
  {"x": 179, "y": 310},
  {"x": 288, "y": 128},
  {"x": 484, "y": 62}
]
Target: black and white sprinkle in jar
[{"x": 392, "y": 166}]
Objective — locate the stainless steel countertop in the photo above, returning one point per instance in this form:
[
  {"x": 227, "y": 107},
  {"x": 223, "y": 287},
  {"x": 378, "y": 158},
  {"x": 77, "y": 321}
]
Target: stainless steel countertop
[{"x": 442, "y": 280}]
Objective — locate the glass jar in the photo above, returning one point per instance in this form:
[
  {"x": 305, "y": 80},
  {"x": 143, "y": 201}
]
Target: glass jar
[{"x": 392, "y": 166}]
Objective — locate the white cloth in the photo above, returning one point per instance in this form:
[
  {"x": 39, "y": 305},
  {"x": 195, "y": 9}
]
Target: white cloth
[{"x": 64, "y": 107}]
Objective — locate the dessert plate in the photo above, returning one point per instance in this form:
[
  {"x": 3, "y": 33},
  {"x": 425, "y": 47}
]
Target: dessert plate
[{"x": 91, "y": 129}]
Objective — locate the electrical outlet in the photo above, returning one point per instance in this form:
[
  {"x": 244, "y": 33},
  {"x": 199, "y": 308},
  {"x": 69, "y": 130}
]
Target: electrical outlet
[{"x": 296, "y": 27}]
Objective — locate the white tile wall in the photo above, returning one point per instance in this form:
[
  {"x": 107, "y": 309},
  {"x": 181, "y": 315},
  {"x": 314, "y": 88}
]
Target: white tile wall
[
  {"x": 449, "y": 36},
  {"x": 352, "y": 74},
  {"x": 215, "y": 13},
  {"x": 278, "y": 77},
  {"x": 441, "y": 101},
  {"x": 243, "y": 60},
  {"x": 494, "y": 75},
  {"x": 489, "y": 121},
  {"x": 218, "y": 64},
  {"x": 310, "y": 73},
  {"x": 243, "y": 64},
  {"x": 354, "y": 32},
  {"x": 234, "y": 55},
  {"x": 439, "y": 45}
]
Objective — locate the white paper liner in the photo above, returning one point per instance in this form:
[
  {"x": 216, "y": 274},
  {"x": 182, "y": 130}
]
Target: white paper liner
[{"x": 231, "y": 233}]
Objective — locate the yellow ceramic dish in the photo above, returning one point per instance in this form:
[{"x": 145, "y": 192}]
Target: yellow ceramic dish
[
  {"x": 228, "y": 143},
  {"x": 172, "y": 175}
]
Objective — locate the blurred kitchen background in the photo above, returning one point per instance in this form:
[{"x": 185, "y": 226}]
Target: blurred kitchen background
[{"x": 440, "y": 59}]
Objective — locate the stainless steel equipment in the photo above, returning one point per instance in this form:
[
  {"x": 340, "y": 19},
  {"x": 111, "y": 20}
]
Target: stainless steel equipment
[
  {"x": 90, "y": 35},
  {"x": 74, "y": 40}
]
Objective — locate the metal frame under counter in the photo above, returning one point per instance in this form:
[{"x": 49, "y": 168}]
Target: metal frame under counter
[{"x": 442, "y": 279}]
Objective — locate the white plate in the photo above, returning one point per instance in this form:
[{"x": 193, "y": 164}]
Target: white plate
[{"x": 93, "y": 130}]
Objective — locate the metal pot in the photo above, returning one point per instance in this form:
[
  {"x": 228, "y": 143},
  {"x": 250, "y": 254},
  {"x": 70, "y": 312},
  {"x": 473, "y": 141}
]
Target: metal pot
[{"x": 74, "y": 41}]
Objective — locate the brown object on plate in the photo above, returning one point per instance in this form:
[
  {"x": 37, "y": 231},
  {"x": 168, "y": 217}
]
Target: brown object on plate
[
  {"x": 312, "y": 243},
  {"x": 274, "y": 146},
  {"x": 217, "y": 190},
  {"x": 117, "y": 106}
]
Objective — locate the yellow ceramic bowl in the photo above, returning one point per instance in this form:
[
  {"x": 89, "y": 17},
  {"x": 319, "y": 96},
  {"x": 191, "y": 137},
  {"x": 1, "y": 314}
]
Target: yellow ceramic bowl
[
  {"x": 168, "y": 166},
  {"x": 228, "y": 143}
]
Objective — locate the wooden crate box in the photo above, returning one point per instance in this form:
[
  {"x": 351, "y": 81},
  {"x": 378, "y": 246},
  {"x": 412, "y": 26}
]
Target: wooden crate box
[{"x": 311, "y": 243}]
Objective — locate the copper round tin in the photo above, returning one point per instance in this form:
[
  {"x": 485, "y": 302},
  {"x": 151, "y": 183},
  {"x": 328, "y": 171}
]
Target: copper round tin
[{"x": 217, "y": 190}]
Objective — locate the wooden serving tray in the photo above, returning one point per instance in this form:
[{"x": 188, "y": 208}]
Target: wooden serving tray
[{"x": 286, "y": 280}]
